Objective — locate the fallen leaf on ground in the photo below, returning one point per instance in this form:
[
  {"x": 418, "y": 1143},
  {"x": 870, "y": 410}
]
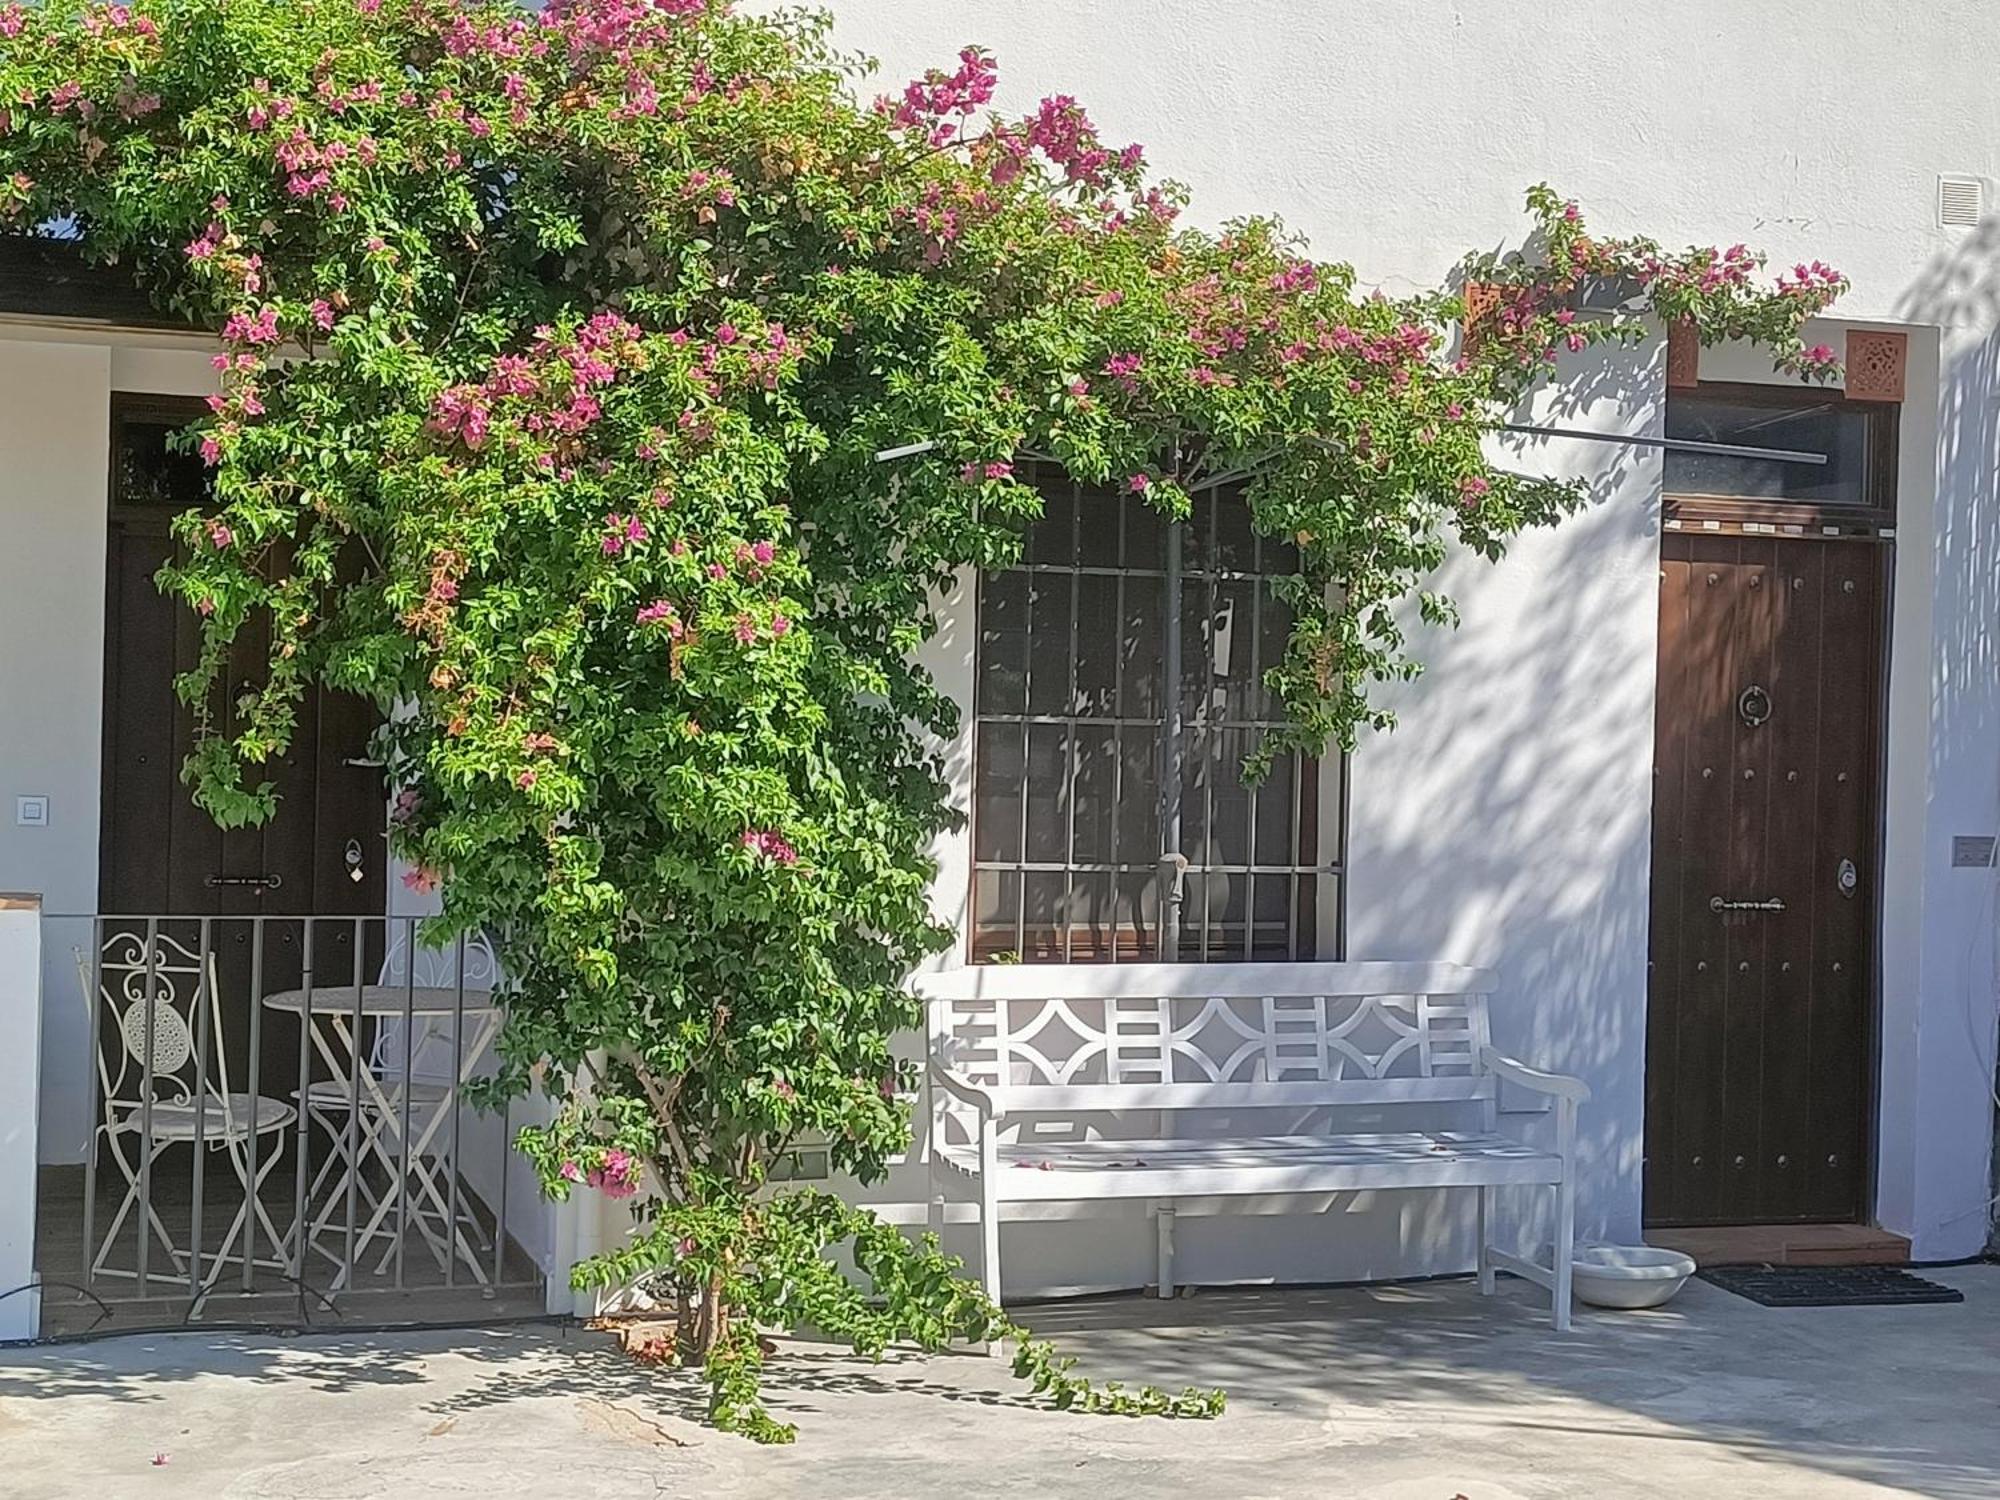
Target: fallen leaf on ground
[{"x": 443, "y": 1427}]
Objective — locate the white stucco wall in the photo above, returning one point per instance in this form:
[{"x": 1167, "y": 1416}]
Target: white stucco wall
[
  {"x": 56, "y": 384},
  {"x": 20, "y": 1031},
  {"x": 1508, "y": 820}
]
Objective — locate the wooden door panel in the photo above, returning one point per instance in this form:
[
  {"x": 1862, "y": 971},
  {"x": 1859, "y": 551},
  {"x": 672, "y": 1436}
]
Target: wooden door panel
[
  {"x": 1796, "y": 671},
  {"x": 158, "y": 851},
  {"x": 1841, "y": 1042},
  {"x": 1759, "y": 1026}
]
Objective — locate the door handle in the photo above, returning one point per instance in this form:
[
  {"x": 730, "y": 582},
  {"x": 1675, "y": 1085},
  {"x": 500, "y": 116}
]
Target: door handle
[
  {"x": 263, "y": 882},
  {"x": 1770, "y": 903}
]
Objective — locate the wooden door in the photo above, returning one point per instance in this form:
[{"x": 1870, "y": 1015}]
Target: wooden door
[
  {"x": 159, "y": 854},
  {"x": 1760, "y": 1035}
]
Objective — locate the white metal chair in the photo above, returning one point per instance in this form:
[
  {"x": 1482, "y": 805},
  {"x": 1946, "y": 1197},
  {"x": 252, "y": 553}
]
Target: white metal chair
[
  {"x": 365, "y": 1122},
  {"x": 170, "y": 1087}
]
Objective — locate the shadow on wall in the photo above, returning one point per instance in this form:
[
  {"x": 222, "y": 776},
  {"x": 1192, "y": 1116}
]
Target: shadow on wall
[
  {"x": 1518, "y": 830},
  {"x": 1961, "y": 294}
]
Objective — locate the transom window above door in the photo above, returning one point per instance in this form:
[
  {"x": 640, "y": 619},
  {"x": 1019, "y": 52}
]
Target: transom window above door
[
  {"x": 1794, "y": 451},
  {"x": 1073, "y": 839}
]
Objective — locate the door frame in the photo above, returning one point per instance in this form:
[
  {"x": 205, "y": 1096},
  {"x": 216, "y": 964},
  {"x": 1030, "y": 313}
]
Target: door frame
[{"x": 1871, "y": 524}]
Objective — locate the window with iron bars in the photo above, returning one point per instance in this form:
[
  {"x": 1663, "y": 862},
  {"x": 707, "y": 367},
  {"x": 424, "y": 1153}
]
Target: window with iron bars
[{"x": 1074, "y": 839}]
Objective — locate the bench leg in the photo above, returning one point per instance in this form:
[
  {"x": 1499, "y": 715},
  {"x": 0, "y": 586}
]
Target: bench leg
[
  {"x": 1489, "y": 1200},
  {"x": 1163, "y": 1222},
  {"x": 989, "y": 1249},
  {"x": 1565, "y": 1248}
]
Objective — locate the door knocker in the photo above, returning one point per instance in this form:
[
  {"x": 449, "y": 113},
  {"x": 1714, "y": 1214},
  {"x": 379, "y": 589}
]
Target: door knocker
[{"x": 1754, "y": 706}]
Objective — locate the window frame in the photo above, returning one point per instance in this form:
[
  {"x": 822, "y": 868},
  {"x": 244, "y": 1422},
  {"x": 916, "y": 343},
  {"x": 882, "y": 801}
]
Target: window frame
[{"x": 1878, "y": 508}]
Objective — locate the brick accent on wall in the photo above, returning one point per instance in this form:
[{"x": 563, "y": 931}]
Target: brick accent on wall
[
  {"x": 1683, "y": 357},
  {"x": 1876, "y": 362}
]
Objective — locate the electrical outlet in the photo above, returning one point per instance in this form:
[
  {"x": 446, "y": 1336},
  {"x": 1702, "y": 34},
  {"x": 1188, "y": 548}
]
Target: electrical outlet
[{"x": 31, "y": 812}]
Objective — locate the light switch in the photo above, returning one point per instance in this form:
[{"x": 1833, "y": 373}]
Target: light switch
[{"x": 31, "y": 812}]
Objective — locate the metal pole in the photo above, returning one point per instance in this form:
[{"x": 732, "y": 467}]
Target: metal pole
[
  {"x": 256, "y": 1083},
  {"x": 97, "y": 1127},
  {"x": 409, "y": 1087},
  {"x": 355, "y": 1063},
  {"x": 300, "y": 1227},
  {"x": 146, "y": 1103},
  {"x": 500, "y": 1212},
  {"x": 457, "y": 1065},
  {"x": 202, "y": 994},
  {"x": 1672, "y": 445},
  {"x": 1172, "y": 863}
]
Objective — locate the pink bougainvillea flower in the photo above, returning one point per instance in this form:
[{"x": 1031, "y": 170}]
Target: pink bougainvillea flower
[
  {"x": 1138, "y": 484},
  {"x": 569, "y": 1171},
  {"x": 420, "y": 880},
  {"x": 219, "y": 535},
  {"x": 771, "y": 845}
]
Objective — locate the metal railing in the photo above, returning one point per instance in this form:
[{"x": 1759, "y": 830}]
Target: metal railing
[{"x": 277, "y": 1105}]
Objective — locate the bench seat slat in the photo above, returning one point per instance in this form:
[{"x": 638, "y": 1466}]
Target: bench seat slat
[{"x": 1047, "y": 1171}]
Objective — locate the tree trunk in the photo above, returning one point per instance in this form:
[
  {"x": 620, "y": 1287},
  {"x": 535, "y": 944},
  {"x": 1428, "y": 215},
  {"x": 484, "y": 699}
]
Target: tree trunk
[{"x": 712, "y": 1318}]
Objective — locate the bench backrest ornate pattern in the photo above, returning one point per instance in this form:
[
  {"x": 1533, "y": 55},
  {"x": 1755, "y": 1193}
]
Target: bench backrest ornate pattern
[{"x": 1192, "y": 1035}]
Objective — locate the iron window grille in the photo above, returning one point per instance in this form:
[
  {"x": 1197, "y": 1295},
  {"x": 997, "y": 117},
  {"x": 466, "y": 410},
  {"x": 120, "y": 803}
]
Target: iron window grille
[{"x": 1073, "y": 835}]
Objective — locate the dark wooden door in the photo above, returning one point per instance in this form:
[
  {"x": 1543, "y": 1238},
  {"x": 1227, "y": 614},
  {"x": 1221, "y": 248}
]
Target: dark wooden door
[
  {"x": 159, "y": 854},
  {"x": 1760, "y": 1033}
]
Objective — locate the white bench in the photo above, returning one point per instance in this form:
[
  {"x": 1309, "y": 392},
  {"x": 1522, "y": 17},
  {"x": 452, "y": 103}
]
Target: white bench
[{"x": 1023, "y": 1053}]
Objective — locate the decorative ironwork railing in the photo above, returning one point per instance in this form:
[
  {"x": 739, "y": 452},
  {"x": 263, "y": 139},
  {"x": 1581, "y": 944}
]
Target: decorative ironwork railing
[{"x": 277, "y": 1107}]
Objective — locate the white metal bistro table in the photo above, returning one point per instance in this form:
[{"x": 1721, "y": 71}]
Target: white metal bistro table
[{"x": 393, "y": 1119}]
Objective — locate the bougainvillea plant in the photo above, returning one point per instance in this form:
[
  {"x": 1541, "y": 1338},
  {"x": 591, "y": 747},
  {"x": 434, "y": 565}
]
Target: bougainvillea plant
[{"x": 556, "y": 352}]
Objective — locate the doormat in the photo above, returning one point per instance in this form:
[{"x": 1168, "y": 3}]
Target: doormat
[{"x": 1827, "y": 1286}]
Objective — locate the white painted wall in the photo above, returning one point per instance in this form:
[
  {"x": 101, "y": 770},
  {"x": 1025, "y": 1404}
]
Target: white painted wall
[
  {"x": 20, "y": 1036},
  {"x": 1507, "y": 821},
  {"x": 55, "y": 414}
]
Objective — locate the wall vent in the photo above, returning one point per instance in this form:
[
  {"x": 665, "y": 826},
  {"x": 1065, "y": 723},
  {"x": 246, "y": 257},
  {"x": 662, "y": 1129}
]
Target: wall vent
[
  {"x": 1960, "y": 201},
  {"x": 1972, "y": 851}
]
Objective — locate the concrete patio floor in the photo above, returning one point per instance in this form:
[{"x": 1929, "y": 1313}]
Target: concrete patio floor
[{"x": 1394, "y": 1393}]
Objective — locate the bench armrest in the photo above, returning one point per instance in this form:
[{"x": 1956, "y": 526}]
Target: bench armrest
[
  {"x": 1557, "y": 1085},
  {"x": 963, "y": 1089}
]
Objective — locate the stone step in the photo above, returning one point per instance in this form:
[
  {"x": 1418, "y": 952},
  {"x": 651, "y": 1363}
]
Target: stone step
[{"x": 1786, "y": 1245}]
